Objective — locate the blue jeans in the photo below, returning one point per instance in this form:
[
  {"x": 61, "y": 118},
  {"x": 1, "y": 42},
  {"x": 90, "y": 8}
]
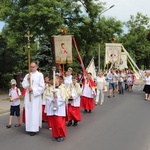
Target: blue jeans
[{"x": 121, "y": 87}]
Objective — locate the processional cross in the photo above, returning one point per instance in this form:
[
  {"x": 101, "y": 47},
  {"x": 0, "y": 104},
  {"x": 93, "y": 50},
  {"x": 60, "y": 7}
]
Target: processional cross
[{"x": 28, "y": 36}]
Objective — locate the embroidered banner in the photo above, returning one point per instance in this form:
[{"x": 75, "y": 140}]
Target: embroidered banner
[
  {"x": 122, "y": 64},
  {"x": 63, "y": 49},
  {"x": 112, "y": 52}
]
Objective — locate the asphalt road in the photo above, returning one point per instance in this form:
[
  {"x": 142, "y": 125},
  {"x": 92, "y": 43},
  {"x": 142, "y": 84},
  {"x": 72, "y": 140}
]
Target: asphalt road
[{"x": 122, "y": 123}]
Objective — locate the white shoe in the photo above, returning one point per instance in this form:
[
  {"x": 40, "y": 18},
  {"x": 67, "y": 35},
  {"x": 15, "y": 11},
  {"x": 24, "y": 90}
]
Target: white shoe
[
  {"x": 50, "y": 129},
  {"x": 96, "y": 103},
  {"x": 101, "y": 103}
]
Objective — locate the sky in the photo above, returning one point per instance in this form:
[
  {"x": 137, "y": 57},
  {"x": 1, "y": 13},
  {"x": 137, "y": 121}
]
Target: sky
[{"x": 122, "y": 9}]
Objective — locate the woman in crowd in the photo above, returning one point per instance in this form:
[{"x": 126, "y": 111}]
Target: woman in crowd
[{"x": 147, "y": 86}]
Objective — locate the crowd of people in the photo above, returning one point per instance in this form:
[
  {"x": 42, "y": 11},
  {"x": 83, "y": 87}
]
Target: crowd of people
[{"x": 60, "y": 100}]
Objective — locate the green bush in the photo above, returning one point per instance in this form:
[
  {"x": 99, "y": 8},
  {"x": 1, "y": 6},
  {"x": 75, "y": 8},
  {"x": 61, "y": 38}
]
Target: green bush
[{"x": 5, "y": 80}]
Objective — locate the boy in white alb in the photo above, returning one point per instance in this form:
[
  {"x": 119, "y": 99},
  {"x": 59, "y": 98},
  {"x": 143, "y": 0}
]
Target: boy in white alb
[
  {"x": 56, "y": 111},
  {"x": 14, "y": 96},
  {"x": 74, "y": 113}
]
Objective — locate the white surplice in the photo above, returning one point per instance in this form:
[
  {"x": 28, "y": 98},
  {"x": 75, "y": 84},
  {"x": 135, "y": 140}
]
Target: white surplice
[
  {"x": 75, "y": 91},
  {"x": 33, "y": 108},
  {"x": 60, "y": 103}
]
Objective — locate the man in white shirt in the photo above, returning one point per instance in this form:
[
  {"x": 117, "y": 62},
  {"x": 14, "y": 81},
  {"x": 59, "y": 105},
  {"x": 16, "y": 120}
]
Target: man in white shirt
[{"x": 112, "y": 78}]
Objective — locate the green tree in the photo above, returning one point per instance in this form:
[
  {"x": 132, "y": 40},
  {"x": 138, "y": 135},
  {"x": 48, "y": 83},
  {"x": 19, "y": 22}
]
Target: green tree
[
  {"x": 44, "y": 55},
  {"x": 135, "y": 40},
  {"x": 45, "y": 17}
]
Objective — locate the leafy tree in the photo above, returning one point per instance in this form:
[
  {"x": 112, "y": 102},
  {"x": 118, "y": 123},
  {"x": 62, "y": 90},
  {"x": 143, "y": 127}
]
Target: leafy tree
[
  {"x": 44, "y": 55},
  {"x": 135, "y": 40},
  {"x": 45, "y": 17}
]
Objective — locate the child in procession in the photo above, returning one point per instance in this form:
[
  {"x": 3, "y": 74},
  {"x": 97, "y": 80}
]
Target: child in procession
[
  {"x": 56, "y": 110},
  {"x": 14, "y": 96},
  {"x": 74, "y": 113}
]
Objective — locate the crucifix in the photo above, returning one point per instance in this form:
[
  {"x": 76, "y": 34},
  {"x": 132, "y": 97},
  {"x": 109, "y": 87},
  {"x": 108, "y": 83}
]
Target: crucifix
[{"x": 28, "y": 36}]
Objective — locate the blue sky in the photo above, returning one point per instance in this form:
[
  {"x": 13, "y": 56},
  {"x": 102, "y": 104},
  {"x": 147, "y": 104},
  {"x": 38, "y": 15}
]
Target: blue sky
[
  {"x": 122, "y": 9},
  {"x": 1, "y": 25}
]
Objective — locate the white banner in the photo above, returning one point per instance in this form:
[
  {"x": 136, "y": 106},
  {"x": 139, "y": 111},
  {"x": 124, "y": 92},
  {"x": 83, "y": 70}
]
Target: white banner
[
  {"x": 63, "y": 49},
  {"x": 112, "y": 52},
  {"x": 122, "y": 64},
  {"x": 91, "y": 68}
]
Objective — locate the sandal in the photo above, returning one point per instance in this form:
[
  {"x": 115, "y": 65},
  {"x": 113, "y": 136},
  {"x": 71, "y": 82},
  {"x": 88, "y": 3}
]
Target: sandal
[
  {"x": 8, "y": 126},
  {"x": 17, "y": 125}
]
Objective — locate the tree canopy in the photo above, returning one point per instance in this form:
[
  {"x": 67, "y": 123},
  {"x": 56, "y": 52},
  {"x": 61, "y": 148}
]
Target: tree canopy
[{"x": 80, "y": 18}]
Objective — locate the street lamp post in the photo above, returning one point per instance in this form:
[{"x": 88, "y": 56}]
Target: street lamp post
[{"x": 99, "y": 43}]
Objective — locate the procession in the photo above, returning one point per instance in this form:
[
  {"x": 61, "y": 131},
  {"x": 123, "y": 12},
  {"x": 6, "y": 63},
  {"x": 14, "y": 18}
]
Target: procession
[
  {"x": 74, "y": 75},
  {"x": 62, "y": 98}
]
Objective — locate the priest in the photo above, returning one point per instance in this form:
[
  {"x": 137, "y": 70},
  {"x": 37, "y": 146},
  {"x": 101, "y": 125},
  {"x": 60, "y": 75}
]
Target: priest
[{"x": 34, "y": 84}]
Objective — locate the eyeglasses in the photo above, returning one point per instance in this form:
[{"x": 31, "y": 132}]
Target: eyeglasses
[{"x": 32, "y": 66}]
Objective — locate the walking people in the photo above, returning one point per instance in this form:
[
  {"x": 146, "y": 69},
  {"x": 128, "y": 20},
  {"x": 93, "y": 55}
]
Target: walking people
[
  {"x": 121, "y": 82},
  {"x": 56, "y": 110},
  {"x": 68, "y": 77},
  {"x": 45, "y": 95},
  {"x": 73, "y": 113},
  {"x": 33, "y": 99},
  {"x": 88, "y": 94},
  {"x": 112, "y": 79},
  {"x": 147, "y": 86},
  {"x": 14, "y": 96},
  {"x": 101, "y": 83},
  {"x": 130, "y": 80}
]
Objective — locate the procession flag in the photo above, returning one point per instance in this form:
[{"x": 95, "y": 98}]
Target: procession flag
[
  {"x": 122, "y": 62},
  {"x": 63, "y": 49},
  {"x": 112, "y": 52},
  {"x": 91, "y": 68}
]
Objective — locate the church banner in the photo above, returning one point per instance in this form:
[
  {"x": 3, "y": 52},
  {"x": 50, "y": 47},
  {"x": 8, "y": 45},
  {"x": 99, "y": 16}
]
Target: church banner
[
  {"x": 112, "y": 52},
  {"x": 122, "y": 64},
  {"x": 91, "y": 68},
  {"x": 123, "y": 61},
  {"x": 63, "y": 49}
]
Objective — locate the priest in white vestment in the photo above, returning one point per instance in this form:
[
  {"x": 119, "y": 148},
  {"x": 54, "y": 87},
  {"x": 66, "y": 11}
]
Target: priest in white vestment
[{"x": 33, "y": 106}]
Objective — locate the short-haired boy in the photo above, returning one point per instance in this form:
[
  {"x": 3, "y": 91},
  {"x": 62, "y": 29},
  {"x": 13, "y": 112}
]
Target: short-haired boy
[{"x": 14, "y": 96}]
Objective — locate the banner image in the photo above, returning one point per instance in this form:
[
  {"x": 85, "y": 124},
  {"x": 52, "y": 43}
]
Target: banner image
[
  {"x": 63, "y": 49},
  {"x": 112, "y": 52},
  {"x": 123, "y": 61}
]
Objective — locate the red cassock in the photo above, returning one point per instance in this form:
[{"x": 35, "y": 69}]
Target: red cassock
[
  {"x": 44, "y": 116},
  {"x": 49, "y": 121},
  {"x": 23, "y": 92},
  {"x": 88, "y": 102},
  {"x": 23, "y": 115},
  {"x": 58, "y": 125},
  {"x": 74, "y": 113}
]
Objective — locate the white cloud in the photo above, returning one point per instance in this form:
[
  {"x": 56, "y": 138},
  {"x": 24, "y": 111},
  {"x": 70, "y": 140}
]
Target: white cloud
[{"x": 124, "y": 8}]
